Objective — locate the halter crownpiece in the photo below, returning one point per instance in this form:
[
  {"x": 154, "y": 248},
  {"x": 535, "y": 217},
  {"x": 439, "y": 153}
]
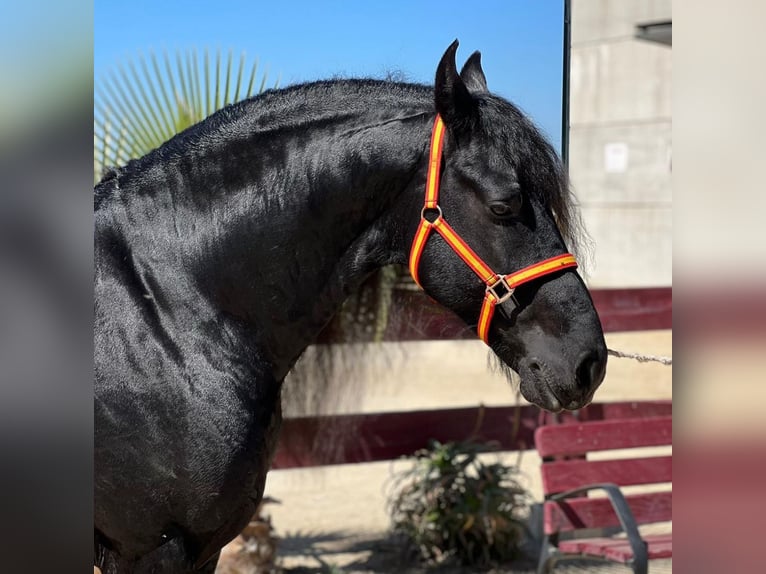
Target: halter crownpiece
[{"x": 499, "y": 288}]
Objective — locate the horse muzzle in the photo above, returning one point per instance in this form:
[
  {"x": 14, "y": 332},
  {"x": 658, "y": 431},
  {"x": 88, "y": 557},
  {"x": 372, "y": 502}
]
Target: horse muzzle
[{"x": 554, "y": 386}]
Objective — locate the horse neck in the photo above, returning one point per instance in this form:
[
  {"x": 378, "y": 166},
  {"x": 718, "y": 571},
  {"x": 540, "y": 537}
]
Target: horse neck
[{"x": 280, "y": 228}]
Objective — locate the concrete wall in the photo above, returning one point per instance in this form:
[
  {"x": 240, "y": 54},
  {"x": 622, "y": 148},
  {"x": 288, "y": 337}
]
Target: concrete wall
[{"x": 620, "y": 140}]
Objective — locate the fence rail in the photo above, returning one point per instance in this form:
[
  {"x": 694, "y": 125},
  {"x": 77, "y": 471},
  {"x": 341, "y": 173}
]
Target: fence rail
[{"x": 386, "y": 436}]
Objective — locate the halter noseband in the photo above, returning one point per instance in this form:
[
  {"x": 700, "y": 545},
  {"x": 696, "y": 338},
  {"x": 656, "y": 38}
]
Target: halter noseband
[{"x": 499, "y": 288}]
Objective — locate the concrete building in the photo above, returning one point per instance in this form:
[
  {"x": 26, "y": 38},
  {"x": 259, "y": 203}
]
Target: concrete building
[{"x": 620, "y": 137}]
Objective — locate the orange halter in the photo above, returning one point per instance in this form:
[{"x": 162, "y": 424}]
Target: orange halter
[{"x": 500, "y": 288}]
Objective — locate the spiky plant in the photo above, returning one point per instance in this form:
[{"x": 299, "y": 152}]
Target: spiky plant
[
  {"x": 453, "y": 506},
  {"x": 146, "y": 100}
]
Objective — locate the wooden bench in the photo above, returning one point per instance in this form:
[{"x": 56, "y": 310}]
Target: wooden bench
[{"x": 576, "y": 525}]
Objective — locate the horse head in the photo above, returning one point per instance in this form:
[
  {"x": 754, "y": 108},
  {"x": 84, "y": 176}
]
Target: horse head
[{"x": 504, "y": 200}]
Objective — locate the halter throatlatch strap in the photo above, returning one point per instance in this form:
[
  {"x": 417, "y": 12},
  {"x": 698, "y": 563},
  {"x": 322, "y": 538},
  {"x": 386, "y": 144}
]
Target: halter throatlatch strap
[{"x": 499, "y": 288}]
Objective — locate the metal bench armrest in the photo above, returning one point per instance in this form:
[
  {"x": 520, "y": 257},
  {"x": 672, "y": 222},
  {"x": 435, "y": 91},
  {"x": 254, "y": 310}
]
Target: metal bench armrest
[{"x": 624, "y": 514}]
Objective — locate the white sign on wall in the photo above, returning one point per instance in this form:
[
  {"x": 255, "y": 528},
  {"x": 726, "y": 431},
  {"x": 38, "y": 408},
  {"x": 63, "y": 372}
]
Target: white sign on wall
[{"x": 616, "y": 157}]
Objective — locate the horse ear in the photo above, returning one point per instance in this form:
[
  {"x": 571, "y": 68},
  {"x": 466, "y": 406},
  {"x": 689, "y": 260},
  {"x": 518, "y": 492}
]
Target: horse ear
[
  {"x": 473, "y": 76},
  {"x": 452, "y": 98}
]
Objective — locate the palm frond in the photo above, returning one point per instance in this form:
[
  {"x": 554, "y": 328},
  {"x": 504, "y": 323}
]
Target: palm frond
[{"x": 145, "y": 101}]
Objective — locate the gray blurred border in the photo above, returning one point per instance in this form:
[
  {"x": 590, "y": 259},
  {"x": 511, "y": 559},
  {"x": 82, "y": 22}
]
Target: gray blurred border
[{"x": 46, "y": 309}]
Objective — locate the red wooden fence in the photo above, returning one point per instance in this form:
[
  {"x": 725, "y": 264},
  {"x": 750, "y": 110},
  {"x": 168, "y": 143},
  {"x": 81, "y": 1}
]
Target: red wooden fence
[{"x": 385, "y": 436}]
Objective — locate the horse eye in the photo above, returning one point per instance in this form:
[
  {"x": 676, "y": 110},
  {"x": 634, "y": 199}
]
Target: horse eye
[
  {"x": 510, "y": 206},
  {"x": 501, "y": 209}
]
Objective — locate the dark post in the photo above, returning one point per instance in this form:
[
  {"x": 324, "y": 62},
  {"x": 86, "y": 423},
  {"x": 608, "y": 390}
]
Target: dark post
[{"x": 565, "y": 83}]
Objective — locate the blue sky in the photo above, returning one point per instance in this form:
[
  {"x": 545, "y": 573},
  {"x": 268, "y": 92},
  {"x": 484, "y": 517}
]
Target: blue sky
[{"x": 296, "y": 40}]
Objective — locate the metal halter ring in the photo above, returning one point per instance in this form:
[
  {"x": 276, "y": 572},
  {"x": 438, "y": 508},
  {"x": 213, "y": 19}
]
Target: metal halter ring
[
  {"x": 508, "y": 290},
  {"x": 437, "y": 209}
]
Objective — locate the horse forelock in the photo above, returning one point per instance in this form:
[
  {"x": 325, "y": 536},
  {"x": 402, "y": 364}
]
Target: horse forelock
[{"x": 540, "y": 169}]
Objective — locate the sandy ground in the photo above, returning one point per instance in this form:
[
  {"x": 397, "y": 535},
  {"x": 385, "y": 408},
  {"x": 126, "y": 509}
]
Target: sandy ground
[{"x": 336, "y": 516}]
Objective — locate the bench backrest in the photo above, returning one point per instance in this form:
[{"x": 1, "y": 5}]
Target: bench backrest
[{"x": 565, "y": 466}]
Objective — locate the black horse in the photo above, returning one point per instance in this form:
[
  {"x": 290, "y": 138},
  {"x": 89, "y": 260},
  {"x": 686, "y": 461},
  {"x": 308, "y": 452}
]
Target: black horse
[{"x": 222, "y": 254}]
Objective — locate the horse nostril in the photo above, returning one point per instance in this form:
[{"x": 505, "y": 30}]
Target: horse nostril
[
  {"x": 535, "y": 366},
  {"x": 590, "y": 372}
]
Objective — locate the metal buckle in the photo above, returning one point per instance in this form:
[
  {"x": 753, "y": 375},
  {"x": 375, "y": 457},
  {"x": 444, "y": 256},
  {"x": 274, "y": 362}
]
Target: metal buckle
[
  {"x": 425, "y": 209},
  {"x": 508, "y": 290}
]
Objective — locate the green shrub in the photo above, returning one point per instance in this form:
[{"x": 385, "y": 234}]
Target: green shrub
[{"x": 452, "y": 506}]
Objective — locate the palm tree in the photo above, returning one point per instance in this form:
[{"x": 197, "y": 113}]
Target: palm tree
[{"x": 145, "y": 101}]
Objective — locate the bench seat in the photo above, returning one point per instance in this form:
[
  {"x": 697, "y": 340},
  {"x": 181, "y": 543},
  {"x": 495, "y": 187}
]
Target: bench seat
[
  {"x": 570, "y": 475},
  {"x": 618, "y": 549}
]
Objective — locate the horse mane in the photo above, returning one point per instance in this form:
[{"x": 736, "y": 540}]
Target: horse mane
[
  {"x": 297, "y": 106},
  {"x": 292, "y": 108}
]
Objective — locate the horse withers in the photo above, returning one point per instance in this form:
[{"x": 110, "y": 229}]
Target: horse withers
[{"x": 222, "y": 254}]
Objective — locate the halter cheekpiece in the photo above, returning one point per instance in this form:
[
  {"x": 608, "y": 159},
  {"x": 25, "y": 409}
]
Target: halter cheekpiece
[{"x": 499, "y": 288}]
